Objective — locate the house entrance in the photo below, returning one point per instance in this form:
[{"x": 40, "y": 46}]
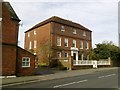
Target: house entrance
[{"x": 74, "y": 56}]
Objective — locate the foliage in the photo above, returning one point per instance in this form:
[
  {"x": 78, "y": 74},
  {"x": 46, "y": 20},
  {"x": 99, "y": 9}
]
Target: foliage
[
  {"x": 63, "y": 68},
  {"x": 44, "y": 52},
  {"x": 93, "y": 55},
  {"x": 31, "y": 51},
  {"x": 104, "y": 50}
]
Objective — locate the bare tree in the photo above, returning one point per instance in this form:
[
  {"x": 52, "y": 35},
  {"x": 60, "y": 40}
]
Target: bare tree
[{"x": 44, "y": 53}]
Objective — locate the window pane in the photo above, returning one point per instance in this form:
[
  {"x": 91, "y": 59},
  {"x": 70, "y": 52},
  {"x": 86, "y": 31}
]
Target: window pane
[
  {"x": 62, "y": 28},
  {"x": 27, "y": 60},
  {"x": 58, "y": 41},
  {"x": 35, "y": 43},
  {"x": 30, "y": 45},
  {"x": 84, "y": 33},
  {"x": 59, "y": 54},
  {"x": 74, "y": 43},
  {"x": 23, "y": 63},
  {"x": 24, "y": 59},
  {"x": 66, "y": 54},
  {"x": 74, "y": 31},
  {"x": 27, "y": 63},
  {"x": 81, "y": 44},
  {"x": 66, "y": 42}
]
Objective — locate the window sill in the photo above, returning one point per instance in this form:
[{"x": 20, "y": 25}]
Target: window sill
[
  {"x": 58, "y": 45},
  {"x": 25, "y": 66},
  {"x": 81, "y": 48}
]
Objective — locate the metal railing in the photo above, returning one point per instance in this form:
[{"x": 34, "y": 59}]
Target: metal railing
[{"x": 91, "y": 62}]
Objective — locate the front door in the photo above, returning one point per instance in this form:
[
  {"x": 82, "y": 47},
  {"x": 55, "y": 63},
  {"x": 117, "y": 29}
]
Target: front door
[{"x": 74, "y": 56}]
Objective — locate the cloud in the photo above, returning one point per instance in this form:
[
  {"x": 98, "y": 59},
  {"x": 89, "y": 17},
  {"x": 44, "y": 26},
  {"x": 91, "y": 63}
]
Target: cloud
[{"x": 100, "y": 16}]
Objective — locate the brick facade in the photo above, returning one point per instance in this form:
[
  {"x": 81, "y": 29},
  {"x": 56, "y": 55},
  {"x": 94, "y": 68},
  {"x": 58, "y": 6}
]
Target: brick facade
[
  {"x": 50, "y": 30},
  {"x": 8, "y": 59},
  {"x": 23, "y": 71},
  {"x": 11, "y": 54}
]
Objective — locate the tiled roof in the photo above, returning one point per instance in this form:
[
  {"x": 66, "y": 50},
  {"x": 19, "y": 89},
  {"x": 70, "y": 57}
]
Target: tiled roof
[
  {"x": 59, "y": 20},
  {"x": 11, "y": 11}
]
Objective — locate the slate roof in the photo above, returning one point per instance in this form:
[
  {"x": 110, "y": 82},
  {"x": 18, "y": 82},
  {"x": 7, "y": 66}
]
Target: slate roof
[
  {"x": 59, "y": 20},
  {"x": 11, "y": 11}
]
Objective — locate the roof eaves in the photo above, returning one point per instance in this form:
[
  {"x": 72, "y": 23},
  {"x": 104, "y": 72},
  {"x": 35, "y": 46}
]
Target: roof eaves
[
  {"x": 61, "y": 21},
  {"x": 12, "y": 12}
]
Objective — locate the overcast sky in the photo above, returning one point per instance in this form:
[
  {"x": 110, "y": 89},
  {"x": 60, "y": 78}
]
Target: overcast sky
[{"x": 100, "y": 16}]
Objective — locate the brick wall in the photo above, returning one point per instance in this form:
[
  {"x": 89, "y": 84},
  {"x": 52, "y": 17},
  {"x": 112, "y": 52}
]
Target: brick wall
[
  {"x": 8, "y": 59},
  {"x": 9, "y": 27},
  {"x": 68, "y": 33},
  {"x": 9, "y": 42},
  {"x": 42, "y": 36},
  {"x": 22, "y": 71}
]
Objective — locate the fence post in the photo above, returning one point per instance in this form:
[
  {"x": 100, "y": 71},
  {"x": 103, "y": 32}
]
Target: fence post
[{"x": 71, "y": 63}]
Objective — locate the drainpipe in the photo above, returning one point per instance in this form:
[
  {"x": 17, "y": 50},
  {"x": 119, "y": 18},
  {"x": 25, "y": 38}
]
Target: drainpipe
[
  {"x": 17, "y": 68},
  {"x": 16, "y": 72}
]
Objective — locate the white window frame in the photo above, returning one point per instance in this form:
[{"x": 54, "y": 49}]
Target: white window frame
[
  {"x": 35, "y": 43},
  {"x": 30, "y": 45},
  {"x": 28, "y": 34},
  {"x": 81, "y": 44},
  {"x": 74, "y": 31},
  {"x": 87, "y": 45},
  {"x": 66, "y": 41},
  {"x": 25, "y": 62},
  {"x": 58, "y": 41},
  {"x": 66, "y": 54},
  {"x": 59, "y": 54},
  {"x": 84, "y": 33},
  {"x": 34, "y": 32},
  {"x": 62, "y": 28},
  {"x": 74, "y": 42}
]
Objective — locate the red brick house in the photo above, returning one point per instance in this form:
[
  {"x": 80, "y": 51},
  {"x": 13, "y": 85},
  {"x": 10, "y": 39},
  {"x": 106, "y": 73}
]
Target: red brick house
[
  {"x": 15, "y": 60},
  {"x": 65, "y": 37}
]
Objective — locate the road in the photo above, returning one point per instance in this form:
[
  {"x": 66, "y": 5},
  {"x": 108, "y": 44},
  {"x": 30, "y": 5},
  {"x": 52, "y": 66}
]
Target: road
[{"x": 101, "y": 79}]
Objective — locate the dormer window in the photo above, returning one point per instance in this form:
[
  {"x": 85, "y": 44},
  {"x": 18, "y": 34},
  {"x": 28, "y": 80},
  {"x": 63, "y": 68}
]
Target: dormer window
[
  {"x": 84, "y": 33},
  {"x": 74, "y": 31},
  {"x": 62, "y": 28}
]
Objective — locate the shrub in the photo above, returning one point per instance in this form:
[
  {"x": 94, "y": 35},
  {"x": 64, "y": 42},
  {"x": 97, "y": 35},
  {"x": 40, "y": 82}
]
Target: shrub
[{"x": 63, "y": 68}]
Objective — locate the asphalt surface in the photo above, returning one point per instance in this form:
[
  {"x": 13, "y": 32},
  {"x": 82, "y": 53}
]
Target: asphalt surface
[{"x": 100, "y": 79}]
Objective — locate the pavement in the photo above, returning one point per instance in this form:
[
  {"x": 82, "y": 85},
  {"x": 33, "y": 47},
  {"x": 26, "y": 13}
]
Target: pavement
[{"x": 51, "y": 76}]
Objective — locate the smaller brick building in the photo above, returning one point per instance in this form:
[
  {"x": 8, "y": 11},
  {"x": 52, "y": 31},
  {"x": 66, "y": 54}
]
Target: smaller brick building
[
  {"x": 15, "y": 60},
  {"x": 26, "y": 62}
]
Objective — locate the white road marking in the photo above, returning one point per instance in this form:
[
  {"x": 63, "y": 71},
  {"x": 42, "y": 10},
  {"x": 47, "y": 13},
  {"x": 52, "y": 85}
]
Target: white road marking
[
  {"x": 11, "y": 84},
  {"x": 101, "y": 77},
  {"x": 107, "y": 76},
  {"x": 69, "y": 83},
  {"x": 20, "y": 83},
  {"x": 110, "y": 75}
]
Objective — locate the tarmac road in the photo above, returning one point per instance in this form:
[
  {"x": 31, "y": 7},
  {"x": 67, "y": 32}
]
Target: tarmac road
[{"x": 100, "y": 79}]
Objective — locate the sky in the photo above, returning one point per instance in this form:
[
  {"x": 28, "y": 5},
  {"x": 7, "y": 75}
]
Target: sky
[{"x": 100, "y": 16}]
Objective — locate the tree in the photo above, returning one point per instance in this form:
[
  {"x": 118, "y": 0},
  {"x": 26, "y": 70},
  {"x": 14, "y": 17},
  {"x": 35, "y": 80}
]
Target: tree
[
  {"x": 44, "y": 53},
  {"x": 104, "y": 50},
  {"x": 93, "y": 55}
]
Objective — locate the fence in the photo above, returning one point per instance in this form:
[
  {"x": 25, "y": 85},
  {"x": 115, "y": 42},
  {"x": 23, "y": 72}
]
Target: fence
[
  {"x": 70, "y": 63},
  {"x": 92, "y": 62}
]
